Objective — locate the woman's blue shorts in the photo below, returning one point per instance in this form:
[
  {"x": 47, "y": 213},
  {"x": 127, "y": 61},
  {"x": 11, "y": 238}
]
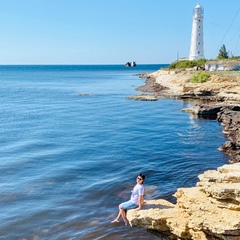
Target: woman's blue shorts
[{"x": 128, "y": 205}]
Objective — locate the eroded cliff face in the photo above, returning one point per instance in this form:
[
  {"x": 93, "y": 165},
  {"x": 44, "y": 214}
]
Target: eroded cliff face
[
  {"x": 218, "y": 88},
  {"x": 222, "y": 86},
  {"x": 210, "y": 210},
  {"x": 230, "y": 119}
]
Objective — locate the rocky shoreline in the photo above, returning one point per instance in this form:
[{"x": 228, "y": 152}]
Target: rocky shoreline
[
  {"x": 211, "y": 209},
  {"x": 219, "y": 98}
]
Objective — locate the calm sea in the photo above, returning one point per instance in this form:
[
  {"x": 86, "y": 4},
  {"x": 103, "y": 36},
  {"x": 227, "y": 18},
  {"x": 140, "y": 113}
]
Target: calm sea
[{"x": 68, "y": 160}]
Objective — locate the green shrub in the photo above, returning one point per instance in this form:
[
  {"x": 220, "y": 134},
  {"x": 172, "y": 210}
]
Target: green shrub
[
  {"x": 187, "y": 64},
  {"x": 200, "y": 77}
]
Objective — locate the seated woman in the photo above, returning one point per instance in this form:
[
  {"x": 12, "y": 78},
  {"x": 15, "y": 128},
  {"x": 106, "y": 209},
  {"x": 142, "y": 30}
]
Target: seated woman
[{"x": 135, "y": 202}]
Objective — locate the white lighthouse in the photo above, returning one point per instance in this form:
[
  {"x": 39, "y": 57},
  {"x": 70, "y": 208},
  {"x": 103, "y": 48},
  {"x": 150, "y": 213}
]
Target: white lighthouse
[{"x": 196, "y": 47}]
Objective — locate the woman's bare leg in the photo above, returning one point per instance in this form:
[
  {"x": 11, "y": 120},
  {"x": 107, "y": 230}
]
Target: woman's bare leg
[
  {"x": 122, "y": 214},
  {"x": 119, "y": 215}
]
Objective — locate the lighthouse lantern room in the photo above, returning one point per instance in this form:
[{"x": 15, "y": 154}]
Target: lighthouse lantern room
[{"x": 196, "y": 47}]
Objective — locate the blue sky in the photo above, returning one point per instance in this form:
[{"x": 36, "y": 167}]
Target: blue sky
[{"x": 112, "y": 31}]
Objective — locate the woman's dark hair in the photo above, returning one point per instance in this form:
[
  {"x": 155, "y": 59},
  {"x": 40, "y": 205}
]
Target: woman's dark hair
[{"x": 142, "y": 176}]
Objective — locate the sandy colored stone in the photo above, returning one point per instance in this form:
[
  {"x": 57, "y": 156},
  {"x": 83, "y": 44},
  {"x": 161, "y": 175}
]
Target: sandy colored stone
[
  {"x": 229, "y": 168},
  {"x": 176, "y": 83},
  {"x": 153, "y": 215},
  {"x": 210, "y": 210},
  {"x": 143, "y": 97},
  {"x": 173, "y": 80}
]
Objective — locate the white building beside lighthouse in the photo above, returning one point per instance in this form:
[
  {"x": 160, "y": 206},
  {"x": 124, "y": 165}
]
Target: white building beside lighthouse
[{"x": 196, "y": 47}]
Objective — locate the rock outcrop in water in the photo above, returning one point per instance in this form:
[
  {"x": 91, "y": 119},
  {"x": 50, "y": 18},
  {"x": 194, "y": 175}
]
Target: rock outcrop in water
[
  {"x": 208, "y": 211},
  {"x": 211, "y": 209}
]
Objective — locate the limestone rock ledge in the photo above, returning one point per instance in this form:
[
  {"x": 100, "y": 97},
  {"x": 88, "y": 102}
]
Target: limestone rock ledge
[{"x": 208, "y": 211}]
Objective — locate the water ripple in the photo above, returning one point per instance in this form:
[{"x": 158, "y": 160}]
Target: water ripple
[{"x": 67, "y": 161}]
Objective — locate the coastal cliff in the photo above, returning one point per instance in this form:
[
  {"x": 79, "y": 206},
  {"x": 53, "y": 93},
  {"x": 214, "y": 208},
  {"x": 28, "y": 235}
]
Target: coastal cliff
[
  {"x": 221, "y": 86},
  {"x": 211, "y": 209}
]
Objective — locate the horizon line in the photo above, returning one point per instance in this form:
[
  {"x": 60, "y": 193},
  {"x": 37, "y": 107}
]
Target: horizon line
[{"x": 75, "y": 64}]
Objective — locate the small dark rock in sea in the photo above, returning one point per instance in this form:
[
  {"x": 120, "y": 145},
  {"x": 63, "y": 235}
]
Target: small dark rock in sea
[
  {"x": 143, "y": 97},
  {"x": 83, "y": 94}
]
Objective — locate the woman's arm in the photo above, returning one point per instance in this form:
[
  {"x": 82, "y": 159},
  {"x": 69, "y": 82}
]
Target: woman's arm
[{"x": 140, "y": 202}]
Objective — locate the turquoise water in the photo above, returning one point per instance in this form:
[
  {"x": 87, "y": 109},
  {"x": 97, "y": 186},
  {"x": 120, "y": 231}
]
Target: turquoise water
[{"x": 67, "y": 161}]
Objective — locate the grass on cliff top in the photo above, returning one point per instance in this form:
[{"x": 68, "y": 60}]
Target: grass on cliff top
[
  {"x": 204, "y": 76},
  {"x": 200, "y": 77},
  {"x": 187, "y": 64}
]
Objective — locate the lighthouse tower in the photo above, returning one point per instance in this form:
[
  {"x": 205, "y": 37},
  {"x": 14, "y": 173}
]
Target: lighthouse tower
[{"x": 196, "y": 47}]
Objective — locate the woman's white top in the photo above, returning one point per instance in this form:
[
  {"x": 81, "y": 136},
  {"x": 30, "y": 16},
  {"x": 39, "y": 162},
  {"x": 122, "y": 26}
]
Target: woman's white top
[{"x": 137, "y": 191}]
